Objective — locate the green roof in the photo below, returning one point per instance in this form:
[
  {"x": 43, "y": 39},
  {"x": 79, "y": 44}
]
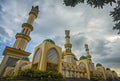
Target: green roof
[
  {"x": 83, "y": 57},
  {"x": 107, "y": 68},
  {"x": 25, "y": 58},
  {"x": 98, "y": 64},
  {"x": 49, "y": 40}
]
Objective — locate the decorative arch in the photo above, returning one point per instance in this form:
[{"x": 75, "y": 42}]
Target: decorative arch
[
  {"x": 36, "y": 58},
  {"x": 37, "y": 55},
  {"x": 100, "y": 72},
  {"x": 82, "y": 64},
  {"x": 83, "y": 70},
  {"x": 53, "y": 59},
  {"x": 53, "y": 55}
]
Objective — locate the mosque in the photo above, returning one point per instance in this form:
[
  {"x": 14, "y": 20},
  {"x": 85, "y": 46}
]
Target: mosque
[{"x": 49, "y": 57}]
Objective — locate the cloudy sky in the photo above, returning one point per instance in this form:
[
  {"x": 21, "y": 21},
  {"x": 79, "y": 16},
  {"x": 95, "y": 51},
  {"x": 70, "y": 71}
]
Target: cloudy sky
[{"x": 86, "y": 25}]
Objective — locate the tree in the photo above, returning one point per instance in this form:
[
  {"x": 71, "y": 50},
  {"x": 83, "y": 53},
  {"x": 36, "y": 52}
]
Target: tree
[
  {"x": 100, "y": 4},
  {"x": 116, "y": 17}
]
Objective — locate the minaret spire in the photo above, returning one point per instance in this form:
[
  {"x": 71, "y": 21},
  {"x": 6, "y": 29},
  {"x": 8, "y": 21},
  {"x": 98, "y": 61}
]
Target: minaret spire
[
  {"x": 87, "y": 52},
  {"x": 87, "y": 49},
  {"x": 68, "y": 45},
  {"x": 23, "y": 37},
  {"x": 68, "y": 55}
]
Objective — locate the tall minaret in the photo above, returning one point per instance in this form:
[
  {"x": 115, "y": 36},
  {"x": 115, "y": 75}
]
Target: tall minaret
[
  {"x": 23, "y": 38},
  {"x": 87, "y": 52},
  {"x": 68, "y": 55},
  {"x": 15, "y": 53},
  {"x": 68, "y": 45}
]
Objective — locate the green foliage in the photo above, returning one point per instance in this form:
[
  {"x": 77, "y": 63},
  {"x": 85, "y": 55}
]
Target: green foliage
[
  {"x": 96, "y": 78},
  {"x": 25, "y": 58},
  {"x": 36, "y": 75},
  {"x": 116, "y": 17},
  {"x": 95, "y": 3},
  {"x": 72, "y": 3}
]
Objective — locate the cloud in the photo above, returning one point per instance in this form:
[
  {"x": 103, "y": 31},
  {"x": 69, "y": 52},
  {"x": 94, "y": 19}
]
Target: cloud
[{"x": 3, "y": 33}]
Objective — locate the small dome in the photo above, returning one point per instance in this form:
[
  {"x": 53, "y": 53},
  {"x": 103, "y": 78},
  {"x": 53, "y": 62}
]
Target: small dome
[
  {"x": 83, "y": 57},
  {"x": 49, "y": 40},
  {"x": 98, "y": 64},
  {"x": 107, "y": 68},
  {"x": 25, "y": 58}
]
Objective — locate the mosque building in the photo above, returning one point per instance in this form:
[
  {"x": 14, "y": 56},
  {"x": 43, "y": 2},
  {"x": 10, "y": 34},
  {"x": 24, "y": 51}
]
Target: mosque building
[{"x": 48, "y": 56}]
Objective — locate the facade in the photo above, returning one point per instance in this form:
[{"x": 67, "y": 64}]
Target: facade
[{"x": 49, "y": 57}]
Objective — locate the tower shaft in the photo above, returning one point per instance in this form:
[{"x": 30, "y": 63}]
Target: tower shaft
[
  {"x": 87, "y": 52},
  {"x": 68, "y": 45},
  {"x": 68, "y": 55},
  {"x": 23, "y": 38}
]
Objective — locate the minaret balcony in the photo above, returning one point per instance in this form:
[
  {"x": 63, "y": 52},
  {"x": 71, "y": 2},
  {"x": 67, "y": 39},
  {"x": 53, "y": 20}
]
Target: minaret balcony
[
  {"x": 14, "y": 51},
  {"x": 67, "y": 36},
  {"x": 24, "y": 25},
  {"x": 20, "y": 35},
  {"x": 68, "y": 45}
]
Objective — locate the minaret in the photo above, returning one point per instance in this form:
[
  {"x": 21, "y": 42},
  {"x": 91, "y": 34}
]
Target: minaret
[
  {"x": 68, "y": 45},
  {"x": 15, "y": 53},
  {"x": 23, "y": 38},
  {"x": 68, "y": 55},
  {"x": 87, "y": 52}
]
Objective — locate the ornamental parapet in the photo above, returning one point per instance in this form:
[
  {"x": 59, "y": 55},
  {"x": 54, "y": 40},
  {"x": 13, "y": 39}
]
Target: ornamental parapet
[
  {"x": 67, "y": 36},
  {"x": 20, "y": 35},
  {"x": 27, "y": 25}
]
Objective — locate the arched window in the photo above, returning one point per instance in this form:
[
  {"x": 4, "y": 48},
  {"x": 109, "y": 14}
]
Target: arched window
[
  {"x": 53, "y": 55},
  {"x": 37, "y": 55},
  {"x": 91, "y": 67},
  {"x": 83, "y": 67},
  {"x": 82, "y": 64}
]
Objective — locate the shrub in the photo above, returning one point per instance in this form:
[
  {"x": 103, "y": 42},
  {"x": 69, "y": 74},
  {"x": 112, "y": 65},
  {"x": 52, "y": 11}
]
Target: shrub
[{"x": 36, "y": 75}]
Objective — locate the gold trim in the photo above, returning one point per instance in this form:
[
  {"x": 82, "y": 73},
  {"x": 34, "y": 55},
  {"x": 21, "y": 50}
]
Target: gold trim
[
  {"x": 24, "y": 25},
  {"x": 15, "y": 51},
  {"x": 19, "y": 35}
]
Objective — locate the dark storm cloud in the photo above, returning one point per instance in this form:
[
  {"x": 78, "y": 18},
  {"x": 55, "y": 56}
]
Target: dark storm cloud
[
  {"x": 78, "y": 41},
  {"x": 112, "y": 59},
  {"x": 101, "y": 47}
]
